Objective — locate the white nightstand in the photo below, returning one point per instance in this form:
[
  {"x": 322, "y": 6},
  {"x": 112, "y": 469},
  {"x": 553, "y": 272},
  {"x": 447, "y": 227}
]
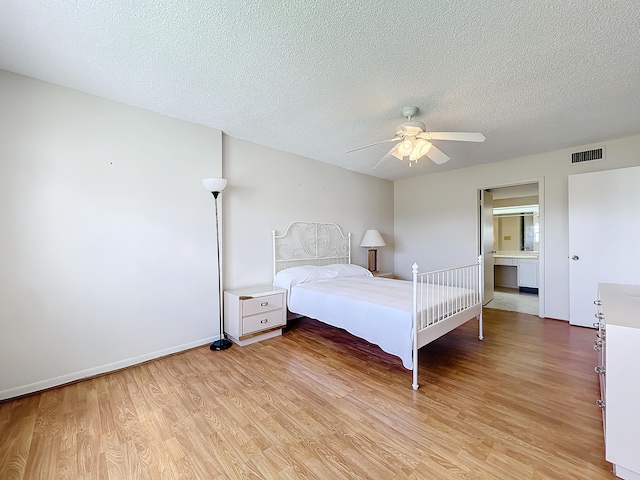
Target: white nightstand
[
  {"x": 383, "y": 274},
  {"x": 254, "y": 313}
]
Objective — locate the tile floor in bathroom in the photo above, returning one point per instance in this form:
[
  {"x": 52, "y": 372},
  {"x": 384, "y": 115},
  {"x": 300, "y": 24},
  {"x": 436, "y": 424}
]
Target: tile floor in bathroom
[{"x": 511, "y": 299}]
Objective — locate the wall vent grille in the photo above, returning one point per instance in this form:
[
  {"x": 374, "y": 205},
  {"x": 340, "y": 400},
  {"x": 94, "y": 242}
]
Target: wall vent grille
[{"x": 588, "y": 155}]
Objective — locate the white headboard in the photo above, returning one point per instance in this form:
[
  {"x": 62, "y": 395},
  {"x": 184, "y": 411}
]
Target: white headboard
[{"x": 310, "y": 243}]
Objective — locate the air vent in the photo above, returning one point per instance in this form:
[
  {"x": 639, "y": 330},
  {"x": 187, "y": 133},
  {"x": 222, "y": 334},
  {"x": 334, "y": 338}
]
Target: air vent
[{"x": 587, "y": 156}]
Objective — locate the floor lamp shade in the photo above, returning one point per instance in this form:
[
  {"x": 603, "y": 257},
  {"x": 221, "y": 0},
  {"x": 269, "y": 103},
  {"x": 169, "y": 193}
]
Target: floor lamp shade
[
  {"x": 215, "y": 186},
  {"x": 372, "y": 239}
]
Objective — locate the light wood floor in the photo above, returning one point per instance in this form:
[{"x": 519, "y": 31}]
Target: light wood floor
[{"x": 319, "y": 403}]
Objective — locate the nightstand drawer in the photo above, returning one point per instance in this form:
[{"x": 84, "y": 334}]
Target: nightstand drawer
[
  {"x": 266, "y": 303},
  {"x": 255, "y": 323}
]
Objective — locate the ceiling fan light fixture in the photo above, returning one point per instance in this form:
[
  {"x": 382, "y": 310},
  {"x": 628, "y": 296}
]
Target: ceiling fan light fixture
[
  {"x": 414, "y": 140},
  {"x": 420, "y": 149},
  {"x": 406, "y": 147}
]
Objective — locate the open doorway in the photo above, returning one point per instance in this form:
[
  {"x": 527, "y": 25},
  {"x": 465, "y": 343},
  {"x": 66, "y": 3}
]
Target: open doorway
[{"x": 510, "y": 232}]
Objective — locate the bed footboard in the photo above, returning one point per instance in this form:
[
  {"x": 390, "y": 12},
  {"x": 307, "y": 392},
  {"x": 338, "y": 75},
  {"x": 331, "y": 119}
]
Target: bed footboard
[{"x": 442, "y": 301}]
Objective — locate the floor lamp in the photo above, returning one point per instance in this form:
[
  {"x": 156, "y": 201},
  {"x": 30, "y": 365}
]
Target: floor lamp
[{"x": 215, "y": 186}]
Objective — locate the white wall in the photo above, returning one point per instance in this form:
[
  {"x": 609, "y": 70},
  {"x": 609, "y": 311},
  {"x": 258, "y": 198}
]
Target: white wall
[
  {"x": 268, "y": 189},
  {"x": 108, "y": 239},
  {"x": 107, "y": 251},
  {"x": 435, "y": 216}
]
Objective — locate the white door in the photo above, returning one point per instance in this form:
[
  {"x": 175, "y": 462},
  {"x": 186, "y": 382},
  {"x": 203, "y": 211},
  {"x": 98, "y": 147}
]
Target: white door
[
  {"x": 604, "y": 228},
  {"x": 486, "y": 208}
]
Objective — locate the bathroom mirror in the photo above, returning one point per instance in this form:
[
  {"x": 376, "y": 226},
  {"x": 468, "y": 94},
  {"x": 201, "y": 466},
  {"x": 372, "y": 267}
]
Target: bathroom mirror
[{"x": 516, "y": 228}]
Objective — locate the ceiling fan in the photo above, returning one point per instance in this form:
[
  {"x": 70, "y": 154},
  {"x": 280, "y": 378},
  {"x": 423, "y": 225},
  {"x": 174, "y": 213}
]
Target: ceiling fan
[{"x": 414, "y": 141}]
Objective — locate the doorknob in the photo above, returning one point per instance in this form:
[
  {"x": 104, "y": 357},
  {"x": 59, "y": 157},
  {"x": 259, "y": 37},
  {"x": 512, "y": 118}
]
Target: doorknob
[{"x": 575, "y": 257}]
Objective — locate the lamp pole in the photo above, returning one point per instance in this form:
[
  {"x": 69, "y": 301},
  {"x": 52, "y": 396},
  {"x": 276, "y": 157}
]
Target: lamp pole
[{"x": 215, "y": 186}]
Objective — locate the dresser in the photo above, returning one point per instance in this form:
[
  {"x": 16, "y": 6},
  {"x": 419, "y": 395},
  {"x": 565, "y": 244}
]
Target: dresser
[
  {"x": 618, "y": 343},
  {"x": 254, "y": 313}
]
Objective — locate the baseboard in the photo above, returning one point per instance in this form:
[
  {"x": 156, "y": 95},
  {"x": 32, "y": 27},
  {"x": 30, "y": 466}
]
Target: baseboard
[{"x": 92, "y": 372}]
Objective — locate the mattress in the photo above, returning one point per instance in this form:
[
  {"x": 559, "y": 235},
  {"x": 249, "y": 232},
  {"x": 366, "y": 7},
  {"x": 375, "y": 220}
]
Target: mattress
[{"x": 378, "y": 310}]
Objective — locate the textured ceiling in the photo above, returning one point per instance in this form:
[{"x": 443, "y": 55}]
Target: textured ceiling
[{"x": 317, "y": 78}]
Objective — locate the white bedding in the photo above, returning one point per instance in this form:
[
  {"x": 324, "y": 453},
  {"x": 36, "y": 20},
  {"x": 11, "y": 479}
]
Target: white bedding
[{"x": 376, "y": 309}]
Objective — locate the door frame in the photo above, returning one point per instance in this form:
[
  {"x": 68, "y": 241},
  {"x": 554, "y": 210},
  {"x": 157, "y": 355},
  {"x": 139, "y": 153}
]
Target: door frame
[
  {"x": 488, "y": 277},
  {"x": 541, "y": 252}
]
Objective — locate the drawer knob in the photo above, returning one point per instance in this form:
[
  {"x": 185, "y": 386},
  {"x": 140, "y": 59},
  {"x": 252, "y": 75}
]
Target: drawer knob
[
  {"x": 599, "y": 370},
  {"x": 264, "y": 321},
  {"x": 600, "y": 403},
  {"x": 264, "y": 304},
  {"x": 597, "y": 302}
]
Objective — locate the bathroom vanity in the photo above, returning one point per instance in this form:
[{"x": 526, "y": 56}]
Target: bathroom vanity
[{"x": 516, "y": 270}]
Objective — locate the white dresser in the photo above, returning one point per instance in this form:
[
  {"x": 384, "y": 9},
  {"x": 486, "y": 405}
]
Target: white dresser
[
  {"x": 618, "y": 341},
  {"x": 254, "y": 313}
]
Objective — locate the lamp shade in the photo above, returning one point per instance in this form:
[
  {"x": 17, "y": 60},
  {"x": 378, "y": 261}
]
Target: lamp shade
[
  {"x": 214, "y": 184},
  {"x": 402, "y": 150},
  {"x": 421, "y": 148},
  {"x": 372, "y": 238},
  {"x": 406, "y": 147}
]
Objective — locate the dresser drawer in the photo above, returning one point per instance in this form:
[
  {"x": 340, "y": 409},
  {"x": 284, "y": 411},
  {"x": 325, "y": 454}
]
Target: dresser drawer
[
  {"x": 255, "y": 323},
  {"x": 266, "y": 303}
]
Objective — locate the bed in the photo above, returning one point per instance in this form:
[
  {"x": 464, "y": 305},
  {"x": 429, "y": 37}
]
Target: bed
[{"x": 312, "y": 261}]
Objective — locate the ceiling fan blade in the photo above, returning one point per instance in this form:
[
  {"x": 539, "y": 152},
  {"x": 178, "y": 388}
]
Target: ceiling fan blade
[
  {"x": 437, "y": 156},
  {"x": 372, "y": 144},
  {"x": 387, "y": 155},
  {"x": 457, "y": 136}
]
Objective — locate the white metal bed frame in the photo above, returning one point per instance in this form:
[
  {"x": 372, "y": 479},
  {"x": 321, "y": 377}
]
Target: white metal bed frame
[
  {"x": 310, "y": 243},
  {"x": 314, "y": 243}
]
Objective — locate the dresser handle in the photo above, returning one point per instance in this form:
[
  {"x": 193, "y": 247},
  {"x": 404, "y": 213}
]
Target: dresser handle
[
  {"x": 600, "y": 403},
  {"x": 264, "y": 304},
  {"x": 599, "y": 315},
  {"x": 597, "y": 346},
  {"x": 599, "y": 370},
  {"x": 597, "y": 302},
  {"x": 264, "y": 321}
]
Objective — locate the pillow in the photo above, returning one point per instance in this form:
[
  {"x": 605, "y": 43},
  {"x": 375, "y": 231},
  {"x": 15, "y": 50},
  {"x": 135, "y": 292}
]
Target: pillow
[
  {"x": 346, "y": 270},
  {"x": 289, "y": 277}
]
